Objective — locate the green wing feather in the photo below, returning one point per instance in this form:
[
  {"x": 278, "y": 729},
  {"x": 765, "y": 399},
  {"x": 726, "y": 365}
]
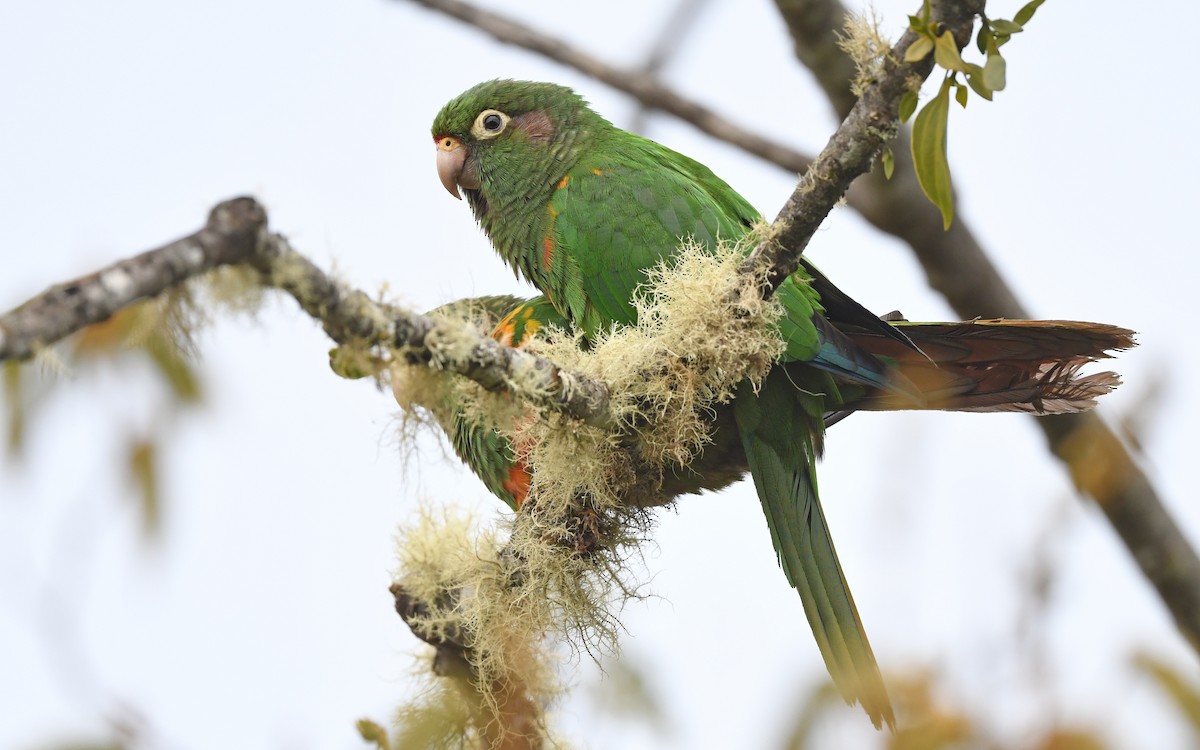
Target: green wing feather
[{"x": 624, "y": 207}]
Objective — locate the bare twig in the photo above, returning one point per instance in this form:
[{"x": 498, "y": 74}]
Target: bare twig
[
  {"x": 671, "y": 37},
  {"x": 236, "y": 232}
]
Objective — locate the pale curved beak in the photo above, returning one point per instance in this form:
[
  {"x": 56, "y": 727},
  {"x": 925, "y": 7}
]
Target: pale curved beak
[{"x": 451, "y": 156}]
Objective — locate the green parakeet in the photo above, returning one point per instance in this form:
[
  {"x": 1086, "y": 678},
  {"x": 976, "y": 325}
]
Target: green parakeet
[{"x": 583, "y": 209}]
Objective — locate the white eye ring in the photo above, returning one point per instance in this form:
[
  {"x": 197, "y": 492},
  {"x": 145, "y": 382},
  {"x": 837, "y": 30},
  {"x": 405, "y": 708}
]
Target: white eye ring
[{"x": 489, "y": 124}]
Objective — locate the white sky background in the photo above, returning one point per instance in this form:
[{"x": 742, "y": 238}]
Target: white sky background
[{"x": 261, "y": 618}]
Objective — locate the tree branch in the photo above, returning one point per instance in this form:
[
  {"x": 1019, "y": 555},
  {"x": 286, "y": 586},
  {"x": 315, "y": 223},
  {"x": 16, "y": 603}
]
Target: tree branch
[
  {"x": 515, "y": 725},
  {"x": 957, "y": 266},
  {"x": 871, "y": 123},
  {"x": 236, "y": 232},
  {"x": 671, "y": 37},
  {"x": 233, "y": 231}
]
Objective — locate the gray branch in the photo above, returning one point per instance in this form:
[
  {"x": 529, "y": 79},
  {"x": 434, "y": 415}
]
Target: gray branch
[
  {"x": 233, "y": 231},
  {"x": 237, "y": 232}
]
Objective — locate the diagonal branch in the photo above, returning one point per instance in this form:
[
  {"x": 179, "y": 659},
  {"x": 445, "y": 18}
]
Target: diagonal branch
[
  {"x": 236, "y": 232},
  {"x": 958, "y": 267},
  {"x": 870, "y": 124},
  {"x": 671, "y": 37},
  {"x": 233, "y": 231}
]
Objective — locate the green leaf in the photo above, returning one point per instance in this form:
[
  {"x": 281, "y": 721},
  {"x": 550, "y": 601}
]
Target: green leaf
[
  {"x": 353, "y": 362},
  {"x": 945, "y": 52},
  {"x": 14, "y": 398},
  {"x": 141, "y": 454},
  {"x": 993, "y": 72},
  {"x": 1000, "y": 26},
  {"x": 1027, "y": 11},
  {"x": 374, "y": 733},
  {"x": 975, "y": 81},
  {"x": 993, "y": 46},
  {"x": 929, "y": 152},
  {"x": 960, "y": 95},
  {"x": 1174, "y": 681},
  {"x": 172, "y": 363},
  {"x": 981, "y": 39},
  {"x": 908, "y": 105},
  {"x": 889, "y": 162},
  {"x": 918, "y": 50}
]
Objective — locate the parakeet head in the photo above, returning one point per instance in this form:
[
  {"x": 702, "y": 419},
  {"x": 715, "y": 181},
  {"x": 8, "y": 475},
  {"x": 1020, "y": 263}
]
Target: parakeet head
[{"x": 510, "y": 136}]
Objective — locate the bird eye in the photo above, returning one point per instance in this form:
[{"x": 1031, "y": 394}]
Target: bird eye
[{"x": 489, "y": 124}]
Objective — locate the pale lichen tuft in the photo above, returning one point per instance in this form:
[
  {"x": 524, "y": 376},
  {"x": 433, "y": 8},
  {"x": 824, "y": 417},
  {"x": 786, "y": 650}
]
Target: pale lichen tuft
[{"x": 864, "y": 42}]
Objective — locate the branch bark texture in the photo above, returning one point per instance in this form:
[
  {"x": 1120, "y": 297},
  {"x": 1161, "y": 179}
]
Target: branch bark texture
[
  {"x": 231, "y": 235},
  {"x": 236, "y": 232}
]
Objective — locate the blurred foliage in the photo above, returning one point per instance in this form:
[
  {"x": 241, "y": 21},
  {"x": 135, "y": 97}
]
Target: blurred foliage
[
  {"x": 14, "y": 408},
  {"x": 1184, "y": 693},
  {"x": 374, "y": 733},
  {"x": 143, "y": 470},
  {"x": 157, "y": 332},
  {"x": 1137, "y": 418},
  {"x": 627, "y": 693},
  {"x": 446, "y": 716},
  {"x": 158, "y": 329},
  {"x": 926, "y": 722}
]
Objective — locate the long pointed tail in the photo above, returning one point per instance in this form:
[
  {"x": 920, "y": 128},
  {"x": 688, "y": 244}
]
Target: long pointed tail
[
  {"x": 1028, "y": 366},
  {"x": 781, "y": 451}
]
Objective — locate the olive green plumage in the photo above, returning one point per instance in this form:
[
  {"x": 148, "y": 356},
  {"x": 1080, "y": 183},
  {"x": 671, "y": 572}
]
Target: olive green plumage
[{"x": 583, "y": 209}]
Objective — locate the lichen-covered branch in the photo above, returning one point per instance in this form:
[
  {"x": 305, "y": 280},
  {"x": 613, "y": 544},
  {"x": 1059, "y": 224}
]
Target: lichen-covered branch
[
  {"x": 870, "y": 124},
  {"x": 233, "y": 233},
  {"x": 517, "y": 722},
  {"x": 236, "y": 232}
]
